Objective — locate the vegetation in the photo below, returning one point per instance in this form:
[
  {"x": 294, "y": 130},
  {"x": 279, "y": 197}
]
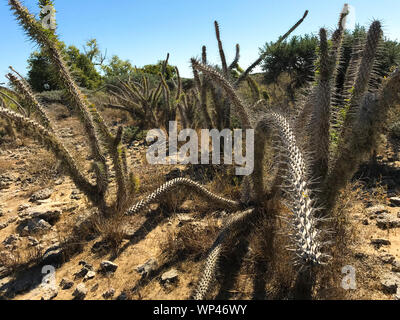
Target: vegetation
[
  {"x": 297, "y": 58},
  {"x": 101, "y": 141},
  {"x": 317, "y": 144},
  {"x": 364, "y": 119}
]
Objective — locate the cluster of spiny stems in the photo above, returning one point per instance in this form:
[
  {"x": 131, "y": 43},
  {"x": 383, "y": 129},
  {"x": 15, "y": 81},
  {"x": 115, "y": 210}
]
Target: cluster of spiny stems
[
  {"x": 312, "y": 167},
  {"x": 215, "y": 106},
  {"x": 152, "y": 107},
  {"x": 102, "y": 142}
]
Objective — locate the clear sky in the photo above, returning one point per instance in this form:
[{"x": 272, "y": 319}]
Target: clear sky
[{"x": 143, "y": 31}]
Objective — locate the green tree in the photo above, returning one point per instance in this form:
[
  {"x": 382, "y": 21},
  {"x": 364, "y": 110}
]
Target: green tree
[
  {"x": 118, "y": 68},
  {"x": 295, "y": 57},
  {"x": 41, "y": 72},
  {"x": 84, "y": 70},
  {"x": 93, "y": 52},
  {"x": 155, "y": 69}
]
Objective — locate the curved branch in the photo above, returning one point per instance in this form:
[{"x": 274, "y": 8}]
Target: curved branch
[
  {"x": 25, "y": 90},
  {"x": 170, "y": 186},
  {"x": 234, "y": 222}
]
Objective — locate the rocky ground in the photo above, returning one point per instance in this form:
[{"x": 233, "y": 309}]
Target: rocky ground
[{"x": 41, "y": 209}]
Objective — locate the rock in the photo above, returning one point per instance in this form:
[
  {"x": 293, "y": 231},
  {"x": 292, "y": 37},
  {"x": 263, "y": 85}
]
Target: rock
[
  {"x": 395, "y": 201},
  {"x": 184, "y": 219},
  {"x": 122, "y": 296},
  {"x": 380, "y": 242},
  {"x": 75, "y": 195},
  {"x": 387, "y": 258},
  {"x": 12, "y": 220},
  {"x": 33, "y": 226},
  {"x": 66, "y": 284},
  {"x": 80, "y": 292},
  {"x": 390, "y": 283},
  {"x": 49, "y": 293},
  {"x": 146, "y": 268},
  {"x": 387, "y": 221},
  {"x": 169, "y": 276},
  {"x": 48, "y": 214},
  {"x": 94, "y": 288},
  {"x": 90, "y": 275},
  {"x": 84, "y": 223},
  {"x": 41, "y": 195},
  {"x": 11, "y": 239},
  {"x": 375, "y": 210},
  {"x": 33, "y": 242},
  {"x": 397, "y": 295},
  {"x": 23, "y": 207},
  {"x": 396, "y": 266},
  {"x": 3, "y": 225},
  {"x": 54, "y": 255},
  {"x": 85, "y": 264},
  {"x": 70, "y": 208},
  {"x": 108, "y": 294},
  {"x": 108, "y": 266},
  {"x": 360, "y": 255},
  {"x": 81, "y": 273}
]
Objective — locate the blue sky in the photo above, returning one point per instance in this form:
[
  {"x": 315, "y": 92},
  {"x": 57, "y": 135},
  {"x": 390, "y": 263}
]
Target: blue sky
[{"x": 144, "y": 31}]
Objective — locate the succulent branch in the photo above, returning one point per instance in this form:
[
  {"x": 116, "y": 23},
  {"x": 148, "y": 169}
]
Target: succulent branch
[
  {"x": 321, "y": 113},
  {"x": 48, "y": 41},
  {"x": 235, "y": 62},
  {"x": 363, "y": 75},
  {"x": 210, "y": 269},
  {"x": 218, "y": 78},
  {"x": 24, "y": 89},
  {"x": 369, "y": 123},
  {"x": 170, "y": 186},
  {"x": 221, "y": 49},
  {"x": 305, "y": 233},
  {"x": 262, "y": 57},
  {"x": 9, "y": 97}
]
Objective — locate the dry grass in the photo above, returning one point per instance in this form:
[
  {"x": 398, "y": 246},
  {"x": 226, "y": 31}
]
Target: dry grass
[{"x": 191, "y": 241}]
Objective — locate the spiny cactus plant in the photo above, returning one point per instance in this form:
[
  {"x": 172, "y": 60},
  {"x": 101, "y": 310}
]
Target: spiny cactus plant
[
  {"x": 144, "y": 103},
  {"x": 311, "y": 166},
  {"x": 215, "y": 107},
  {"x": 103, "y": 144}
]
